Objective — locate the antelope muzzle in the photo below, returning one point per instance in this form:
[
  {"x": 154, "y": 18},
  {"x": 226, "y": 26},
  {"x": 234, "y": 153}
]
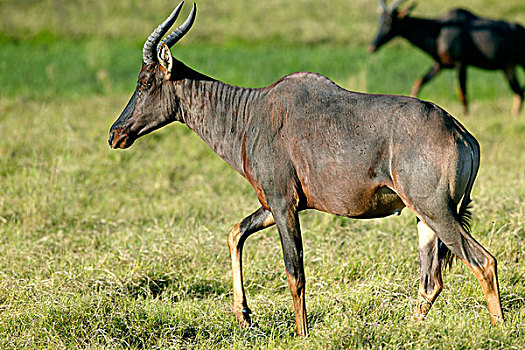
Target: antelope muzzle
[
  {"x": 120, "y": 133},
  {"x": 120, "y": 138}
]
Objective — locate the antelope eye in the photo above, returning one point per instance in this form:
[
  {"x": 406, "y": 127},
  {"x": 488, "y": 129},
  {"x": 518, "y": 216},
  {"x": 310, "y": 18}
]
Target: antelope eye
[{"x": 144, "y": 85}]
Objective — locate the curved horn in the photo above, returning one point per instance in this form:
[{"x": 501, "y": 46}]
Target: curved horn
[
  {"x": 178, "y": 33},
  {"x": 148, "y": 54},
  {"x": 396, "y": 4}
]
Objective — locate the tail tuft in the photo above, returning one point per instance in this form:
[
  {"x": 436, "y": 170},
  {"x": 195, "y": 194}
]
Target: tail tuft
[
  {"x": 446, "y": 258},
  {"x": 465, "y": 214}
]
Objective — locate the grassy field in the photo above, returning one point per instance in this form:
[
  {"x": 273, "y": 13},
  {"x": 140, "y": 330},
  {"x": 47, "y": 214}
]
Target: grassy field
[{"x": 117, "y": 249}]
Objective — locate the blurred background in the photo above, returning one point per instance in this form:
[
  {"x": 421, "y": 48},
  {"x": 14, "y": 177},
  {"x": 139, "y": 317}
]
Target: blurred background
[
  {"x": 95, "y": 45},
  {"x": 338, "y": 22}
]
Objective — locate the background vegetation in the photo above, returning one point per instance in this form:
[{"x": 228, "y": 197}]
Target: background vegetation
[{"x": 112, "y": 249}]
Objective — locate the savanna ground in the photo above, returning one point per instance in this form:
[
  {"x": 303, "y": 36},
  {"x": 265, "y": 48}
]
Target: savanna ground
[{"x": 113, "y": 249}]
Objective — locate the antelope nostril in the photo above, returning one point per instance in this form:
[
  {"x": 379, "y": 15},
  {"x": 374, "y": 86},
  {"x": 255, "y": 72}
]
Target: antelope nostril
[{"x": 111, "y": 137}]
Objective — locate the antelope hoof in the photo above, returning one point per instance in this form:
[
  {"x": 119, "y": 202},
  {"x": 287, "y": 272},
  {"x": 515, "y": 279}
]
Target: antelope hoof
[
  {"x": 243, "y": 316},
  {"x": 417, "y": 318},
  {"x": 420, "y": 311},
  {"x": 496, "y": 319}
]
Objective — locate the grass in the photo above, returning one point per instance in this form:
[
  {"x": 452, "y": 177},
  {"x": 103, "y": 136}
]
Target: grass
[
  {"x": 106, "y": 248},
  {"x": 349, "y": 23},
  {"x": 127, "y": 249}
]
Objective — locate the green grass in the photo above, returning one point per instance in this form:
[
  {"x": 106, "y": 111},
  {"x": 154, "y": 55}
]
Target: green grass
[
  {"x": 95, "y": 67},
  {"x": 349, "y": 23},
  {"x": 116, "y": 249}
]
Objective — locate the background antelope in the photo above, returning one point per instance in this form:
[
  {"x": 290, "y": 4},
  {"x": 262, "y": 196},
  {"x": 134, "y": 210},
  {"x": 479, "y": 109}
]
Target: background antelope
[
  {"x": 457, "y": 40},
  {"x": 305, "y": 143}
]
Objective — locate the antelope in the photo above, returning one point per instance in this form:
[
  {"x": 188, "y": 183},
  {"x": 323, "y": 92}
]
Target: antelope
[
  {"x": 306, "y": 143},
  {"x": 457, "y": 40}
]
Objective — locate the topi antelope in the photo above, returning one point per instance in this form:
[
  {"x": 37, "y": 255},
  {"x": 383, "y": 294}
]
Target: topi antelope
[
  {"x": 457, "y": 40},
  {"x": 305, "y": 143}
]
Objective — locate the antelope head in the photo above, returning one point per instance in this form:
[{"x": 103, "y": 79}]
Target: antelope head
[
  {"x": 153, "y": 104},
  {"x": 390, "y": 18}
]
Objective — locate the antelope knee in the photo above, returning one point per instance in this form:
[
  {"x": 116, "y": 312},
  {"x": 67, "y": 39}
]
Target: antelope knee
[{"x": 234, "y": 236}]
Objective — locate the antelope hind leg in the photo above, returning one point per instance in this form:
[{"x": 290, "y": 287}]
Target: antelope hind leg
[{"x": 431, "y": 282}]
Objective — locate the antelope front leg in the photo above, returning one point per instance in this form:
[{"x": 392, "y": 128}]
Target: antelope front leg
[
  {"x": 238, "y": 235},
  {"x": 425, "y": 79},
  {"x": 462, "y": 91},
  {"x": 287, "y": 222},
  {"x": 510, "y": 74}
]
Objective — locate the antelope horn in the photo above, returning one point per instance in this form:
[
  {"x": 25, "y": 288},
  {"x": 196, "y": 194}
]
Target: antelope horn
[
  {"x": 382, "y": 5},
  {"x": 148, "y": 53},
  {"x": 397, "y": 3},
  {"x": 178, "y": 33}
]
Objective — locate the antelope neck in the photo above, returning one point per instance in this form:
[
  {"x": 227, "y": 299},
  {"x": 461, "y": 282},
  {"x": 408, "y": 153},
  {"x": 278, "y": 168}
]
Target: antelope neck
[
  {"x": 421, "y": 32},
  {"x": 220, "y": 114}
]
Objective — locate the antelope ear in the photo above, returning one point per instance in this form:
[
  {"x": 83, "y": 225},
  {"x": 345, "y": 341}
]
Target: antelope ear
[{"x": 165, "y": 60}]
